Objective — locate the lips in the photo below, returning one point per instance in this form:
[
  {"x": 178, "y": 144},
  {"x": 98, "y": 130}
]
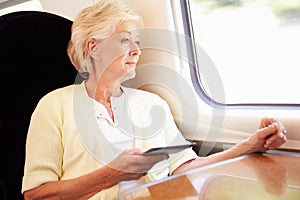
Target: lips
[{"x": 131, "y": 63}]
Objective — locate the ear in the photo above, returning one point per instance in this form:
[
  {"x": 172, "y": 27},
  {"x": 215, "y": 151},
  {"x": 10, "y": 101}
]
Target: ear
[{"x": 91, "y": 46}]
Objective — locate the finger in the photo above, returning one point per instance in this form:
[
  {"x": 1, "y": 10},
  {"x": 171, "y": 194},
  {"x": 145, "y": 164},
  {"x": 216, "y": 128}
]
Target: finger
[
  {"x": 281, "y": 131},
  {"x": 275, "y": 144},
  {"x": 149, "y": 161},
  {"x": 271, "y": 138},
  {"x": 133, "y": 151},
  {"x": 263, "y": 133},
  {"x": 275, "y": 141},
  {"x": 266, "y": 122},
  {"x": 157, "y": 157}
]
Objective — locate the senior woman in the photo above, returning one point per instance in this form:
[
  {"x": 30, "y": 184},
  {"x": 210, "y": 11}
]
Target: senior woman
[{"x": 77, "y": 147}]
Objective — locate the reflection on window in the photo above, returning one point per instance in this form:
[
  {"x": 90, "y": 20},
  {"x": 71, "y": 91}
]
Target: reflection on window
[{"x": 255, "y": 46}]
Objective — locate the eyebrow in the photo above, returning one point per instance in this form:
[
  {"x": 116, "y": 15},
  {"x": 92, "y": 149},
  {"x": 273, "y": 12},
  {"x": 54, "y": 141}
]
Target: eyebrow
[
  {"x": 127, "y": 32},
  {"x": 130, "y": 33}
]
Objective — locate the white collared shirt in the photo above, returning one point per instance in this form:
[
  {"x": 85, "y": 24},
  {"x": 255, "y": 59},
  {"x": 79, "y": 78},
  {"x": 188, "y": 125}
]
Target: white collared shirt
[{"x": 110, "y": 128}]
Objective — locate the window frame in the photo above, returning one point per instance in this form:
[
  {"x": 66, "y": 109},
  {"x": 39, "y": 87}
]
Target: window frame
[{"x": 9, "y": 3}]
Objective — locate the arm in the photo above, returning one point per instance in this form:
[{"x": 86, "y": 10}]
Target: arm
[
  {"x": 78, "y": 188},
  {"x": 268, "y": 136},
  {"x": 129, "y": 165}
]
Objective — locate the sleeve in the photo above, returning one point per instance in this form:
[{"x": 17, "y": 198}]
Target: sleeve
[
  {"x": 44, "y": 151},
  {"x": 174, "y": 137}
]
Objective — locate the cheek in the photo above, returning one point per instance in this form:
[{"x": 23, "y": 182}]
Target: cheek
[
  {"x": 114, "y": 55},
  {"x": 117, "y": 66},
  {"x": 117, "y": 48}
]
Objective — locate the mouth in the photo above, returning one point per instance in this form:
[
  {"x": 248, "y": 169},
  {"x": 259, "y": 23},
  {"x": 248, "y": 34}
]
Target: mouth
[{"x": 131, "y": 63}]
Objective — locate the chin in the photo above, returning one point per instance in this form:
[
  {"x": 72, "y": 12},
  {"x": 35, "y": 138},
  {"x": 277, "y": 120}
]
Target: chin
[{"x": 130, "y": 75}]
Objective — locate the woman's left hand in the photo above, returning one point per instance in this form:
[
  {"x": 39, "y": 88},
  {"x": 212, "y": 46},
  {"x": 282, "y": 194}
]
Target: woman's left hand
[
  {"x": 270, "y": 135},
  {"x": 277, "y": 139}
]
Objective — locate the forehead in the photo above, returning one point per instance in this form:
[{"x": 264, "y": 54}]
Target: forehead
[{"x": 127, "y": 26}]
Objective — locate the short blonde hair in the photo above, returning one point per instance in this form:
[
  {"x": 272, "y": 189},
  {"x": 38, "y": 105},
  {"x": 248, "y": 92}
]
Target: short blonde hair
[{"x": 98, "y": 21}]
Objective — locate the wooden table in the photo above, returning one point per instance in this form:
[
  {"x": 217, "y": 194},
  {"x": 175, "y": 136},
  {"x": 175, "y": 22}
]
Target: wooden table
[{"x": 273, "y": 175}]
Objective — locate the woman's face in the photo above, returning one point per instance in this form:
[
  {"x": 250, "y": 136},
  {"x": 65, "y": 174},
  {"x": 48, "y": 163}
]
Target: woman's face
[{"x": 117, "y": 56}]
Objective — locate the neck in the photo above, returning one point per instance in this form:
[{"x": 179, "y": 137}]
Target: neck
[
  {"x": 104, "y": 93},
  {"x": 103, "y": 90}
]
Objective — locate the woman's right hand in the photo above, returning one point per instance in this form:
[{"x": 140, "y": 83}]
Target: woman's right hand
[{"x": 132, "y": 165}]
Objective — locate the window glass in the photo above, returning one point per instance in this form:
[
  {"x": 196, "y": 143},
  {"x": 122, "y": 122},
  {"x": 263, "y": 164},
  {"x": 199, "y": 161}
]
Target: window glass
[{"x": 254, "y": 45}]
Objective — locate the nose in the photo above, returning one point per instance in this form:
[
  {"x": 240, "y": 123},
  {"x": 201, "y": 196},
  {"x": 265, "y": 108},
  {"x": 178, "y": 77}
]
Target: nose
[{"x": 134, "y": 49}]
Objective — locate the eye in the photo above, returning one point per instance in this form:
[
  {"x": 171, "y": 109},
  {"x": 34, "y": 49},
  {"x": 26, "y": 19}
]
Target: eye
[
  {"x": 137, "y": 43},
  {"x": 125, "y": 40}
]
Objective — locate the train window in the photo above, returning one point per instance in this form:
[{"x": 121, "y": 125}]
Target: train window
[{"x": 254, "y": 46}]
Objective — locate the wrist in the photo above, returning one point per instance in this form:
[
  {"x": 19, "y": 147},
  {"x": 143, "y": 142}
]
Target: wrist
[
  {"x": 117, "y": 175},
  {"x": 243, "y": 148}
]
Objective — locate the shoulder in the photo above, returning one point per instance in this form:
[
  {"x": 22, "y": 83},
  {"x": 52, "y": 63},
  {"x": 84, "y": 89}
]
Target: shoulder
[
  {"x": 58, "y": 97},
  {"x": 61, "y": 93},
  {"x": 67, "y": 90}
]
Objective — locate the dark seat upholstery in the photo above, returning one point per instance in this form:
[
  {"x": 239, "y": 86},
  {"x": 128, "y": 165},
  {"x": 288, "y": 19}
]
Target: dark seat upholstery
[{"x": 33, "y": 61}]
